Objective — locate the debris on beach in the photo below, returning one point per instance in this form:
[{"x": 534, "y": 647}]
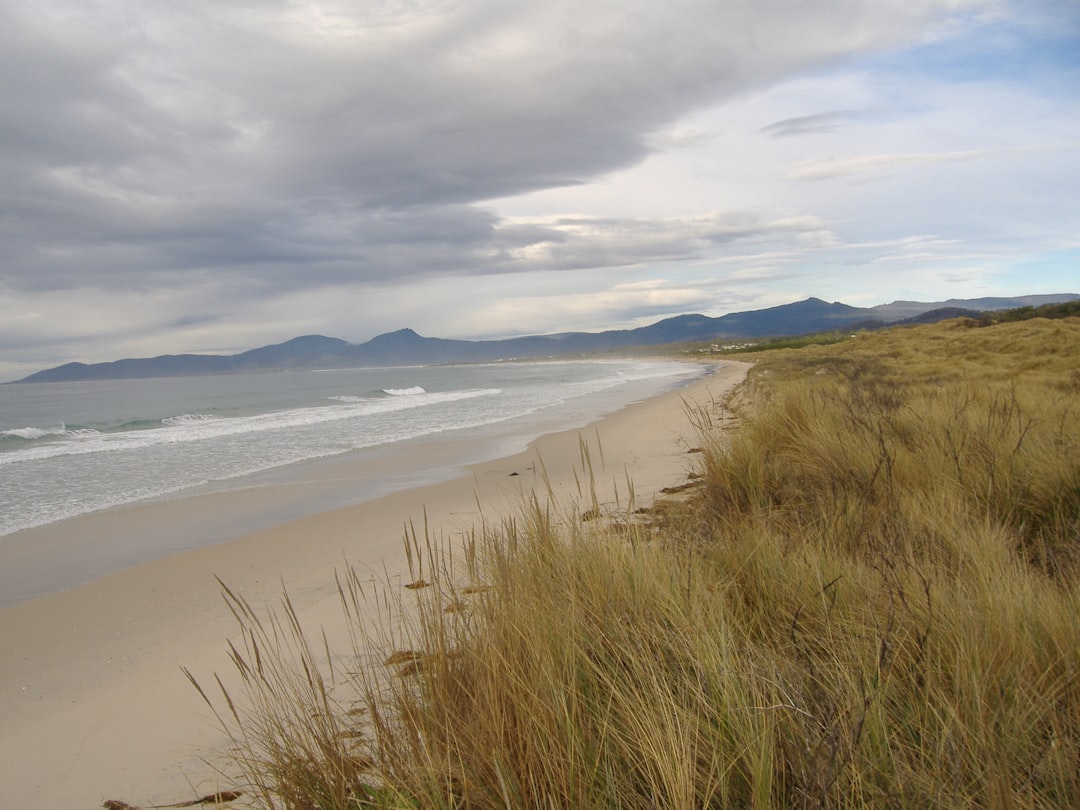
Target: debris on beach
[
  {"x": 470, "y": 589},
  {"x": 402, "y": 657},
  {"x": 221, "y": 797},
  {"x": 678, "y": 488},
  {"x": 408, "y": 662},
  {"x": 412, "y": 668}
]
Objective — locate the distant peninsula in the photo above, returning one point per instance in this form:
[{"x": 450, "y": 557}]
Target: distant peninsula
[{"x": 406, "y": 347}]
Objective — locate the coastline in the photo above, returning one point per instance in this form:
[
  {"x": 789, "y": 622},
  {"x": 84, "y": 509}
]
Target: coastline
[
  {"x": 95, "y": 705},
  {"x": 128, "y": 529}
]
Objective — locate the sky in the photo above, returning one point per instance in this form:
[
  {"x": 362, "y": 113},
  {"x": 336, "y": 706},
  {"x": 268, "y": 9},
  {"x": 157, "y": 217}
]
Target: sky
[{"x": 215, "y": 175}]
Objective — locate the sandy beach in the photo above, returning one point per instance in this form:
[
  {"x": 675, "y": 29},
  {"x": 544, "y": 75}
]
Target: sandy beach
[{"x": 95, "y": 705}]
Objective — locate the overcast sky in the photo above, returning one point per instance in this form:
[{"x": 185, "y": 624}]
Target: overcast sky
[{"x": 215, "y": 175}]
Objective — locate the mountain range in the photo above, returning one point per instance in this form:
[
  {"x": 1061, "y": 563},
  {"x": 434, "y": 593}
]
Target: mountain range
[{"x": 406, "y": 347}]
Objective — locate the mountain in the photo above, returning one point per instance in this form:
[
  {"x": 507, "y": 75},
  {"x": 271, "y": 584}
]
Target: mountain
[
  {"x": 309, "y": 350},
  {"x": 804, "y": 317},
  {"x": 900, "y": 310},
  {"x": 406, "y": 347}
]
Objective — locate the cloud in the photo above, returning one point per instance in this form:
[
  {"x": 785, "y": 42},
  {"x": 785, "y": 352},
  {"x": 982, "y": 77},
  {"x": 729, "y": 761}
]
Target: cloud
[
  {"x": 623, "y": 305},
  {"x": 833, "y": 167},
  {"x": 211, "y": 135},
  {"x": 581, "y": 242},
  {"x": 811, "y": 124},
  {"x": 244, "y": 170}
]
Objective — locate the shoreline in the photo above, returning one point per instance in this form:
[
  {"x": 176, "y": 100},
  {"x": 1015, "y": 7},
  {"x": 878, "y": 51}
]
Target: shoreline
[
  {"x": 95, "y": 704},
  {"x": 41, "y": 560}
]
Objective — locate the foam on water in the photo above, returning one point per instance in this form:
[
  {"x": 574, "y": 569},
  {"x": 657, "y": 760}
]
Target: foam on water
[
  {"x": 206, "y": 427},
  {"x": 34, "y": 433},
  {"x": 188, "y": 419},
  {"x": 31, "y": 433},
  {"x": 149, "y": 438}
]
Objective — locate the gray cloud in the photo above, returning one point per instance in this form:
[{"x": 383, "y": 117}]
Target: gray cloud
[
  {"x": 145, "y": 138},
  {"x": 811, "y": 124},
  {"x": 196, "y": 155}
]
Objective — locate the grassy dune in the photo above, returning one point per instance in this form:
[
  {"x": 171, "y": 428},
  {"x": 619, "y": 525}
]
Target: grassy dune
[{"x": 869, "y": 598}]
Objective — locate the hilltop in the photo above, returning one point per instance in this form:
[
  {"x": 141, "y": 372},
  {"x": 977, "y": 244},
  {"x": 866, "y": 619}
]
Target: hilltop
[{"x": 407, "y": 347}]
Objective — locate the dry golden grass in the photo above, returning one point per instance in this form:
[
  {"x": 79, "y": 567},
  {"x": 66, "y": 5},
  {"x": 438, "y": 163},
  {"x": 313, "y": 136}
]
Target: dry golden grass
[{"x": 870, "y": 600}]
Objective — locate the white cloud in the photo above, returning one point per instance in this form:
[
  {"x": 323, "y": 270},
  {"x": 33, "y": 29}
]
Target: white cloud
[
  {"x": 832, "y": 167},
  {"x": 622, "y": 305},
  {"x": 336, "y": 167}
]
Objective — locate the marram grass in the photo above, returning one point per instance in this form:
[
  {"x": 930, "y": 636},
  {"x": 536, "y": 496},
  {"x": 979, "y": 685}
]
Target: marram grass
[{"x": 870, "y": 600}]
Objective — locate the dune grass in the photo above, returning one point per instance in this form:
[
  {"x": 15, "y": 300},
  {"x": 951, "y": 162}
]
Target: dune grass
[{"x": 870, "y": 599}]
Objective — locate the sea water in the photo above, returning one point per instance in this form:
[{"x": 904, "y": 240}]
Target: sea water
[{"x": 69, "y": 449}]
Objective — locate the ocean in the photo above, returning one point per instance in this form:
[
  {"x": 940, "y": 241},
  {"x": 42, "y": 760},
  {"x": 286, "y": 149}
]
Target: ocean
[{"x": 70, "y": 449}]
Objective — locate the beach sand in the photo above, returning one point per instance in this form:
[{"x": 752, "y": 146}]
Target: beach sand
[{"x": 94, "y": 702}]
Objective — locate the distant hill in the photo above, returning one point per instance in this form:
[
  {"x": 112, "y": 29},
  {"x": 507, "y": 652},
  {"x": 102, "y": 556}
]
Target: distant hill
[
  {"x": 406, "y": 347},
  {"x": 901, "y": 310}
]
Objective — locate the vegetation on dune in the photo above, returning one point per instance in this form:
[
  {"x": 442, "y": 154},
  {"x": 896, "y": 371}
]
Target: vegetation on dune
[
  {"x": 770, "y": 344},
  {"x": 1069, "y": 309},
  {"x": 870, "y": 598}
]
